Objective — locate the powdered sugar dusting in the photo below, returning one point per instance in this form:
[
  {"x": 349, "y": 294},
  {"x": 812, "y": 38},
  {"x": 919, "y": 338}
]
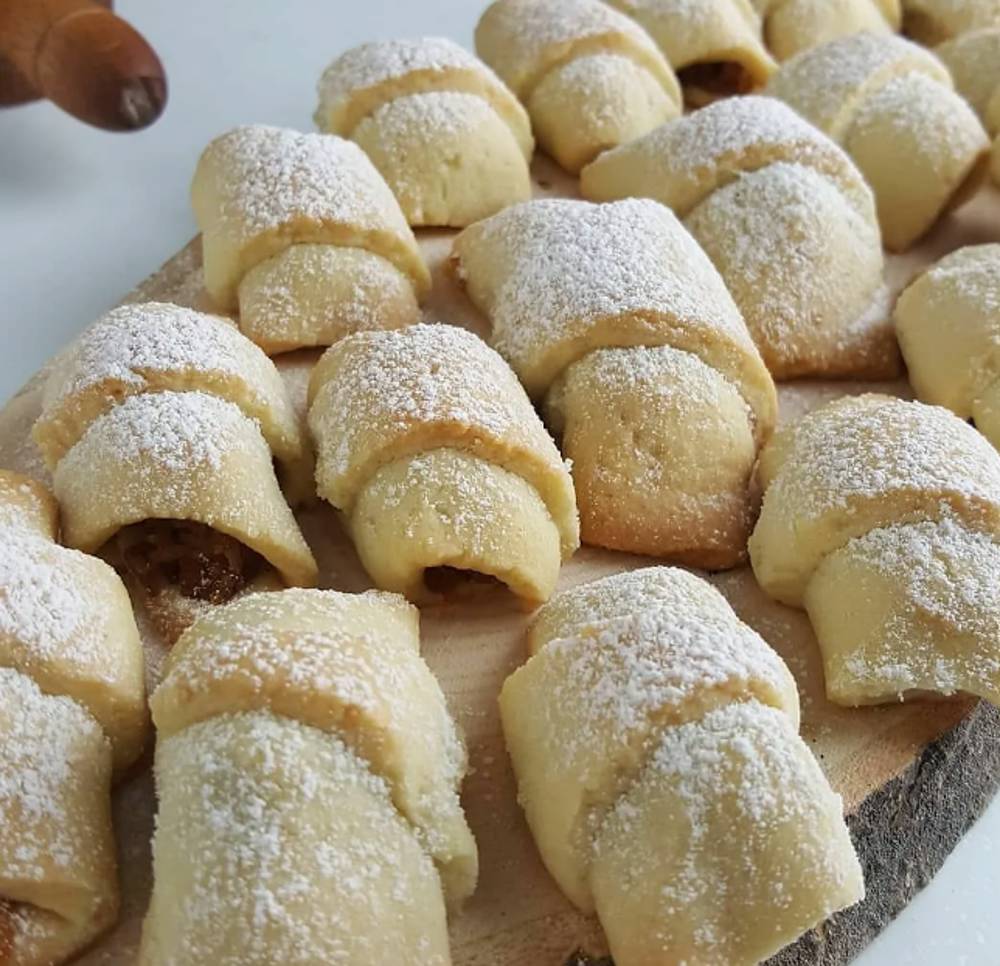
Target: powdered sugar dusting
[
  {"x": 47, "y": 609},
  {"x": 273, "y": 871},
  {"x": 735, "y": 787},
  {"x": 149, "y": 346},
  {"x": 389, "y": 386},
  {"x": 828, "y": 83},
  {"x": 55, "y": 769},
  {"x": 272, "y": 176},
  {"x": 802, "y": 264},
  {"x": 522, "y": 39},
  {"x": 177, "y": 431},
  {"x": 943, "y": 634},
  {"x": 573, "y": 264}
]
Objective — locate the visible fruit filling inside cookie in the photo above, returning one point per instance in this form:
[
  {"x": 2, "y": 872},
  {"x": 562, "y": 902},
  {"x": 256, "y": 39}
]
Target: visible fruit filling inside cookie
[
  {"x": 200, "y": 562},
  {"x": 704, "y": 83}
]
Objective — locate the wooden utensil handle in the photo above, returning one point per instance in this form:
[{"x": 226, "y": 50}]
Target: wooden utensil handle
[{"x": 84, "y": 58}]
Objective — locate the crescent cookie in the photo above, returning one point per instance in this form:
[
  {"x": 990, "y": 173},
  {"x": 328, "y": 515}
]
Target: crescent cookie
[
  {"x": 427, "y": 443},
  {"x": 791, "y": 26},
  {"x": 588, "y": 76},
  {"x": 974, "y": 61},
  {"x": 450, "y": 139},
  {"x": 932, "y": 22},
  {"x": 305, "y": 752},
  {"x": 892, "y": 106},
  {"x": 788, "y": 221},
  {"x": 72, "y": 716},
  {"x": 162, "y": 425},
  {"x": 948, "y": 323},
  {"x": 882, "y": 519},
  {"x": 654, "y": 738},
  {"x": 618, "y": 324},
  {"x": 302, "y": 235},
  {"x": 714, "y": 45}
]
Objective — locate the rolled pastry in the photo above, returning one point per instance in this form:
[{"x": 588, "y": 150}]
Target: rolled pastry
[
  {"x": 932, "y": 22},
  {"x": 307, "y": 774},
  {"x": 948, "y": 322},
  {"x": 892, "y": 106},
  {"x": 791, "y": 26},
  {"x": 303, "y": 236},
  {"x": 450, "y": 139},
  {"x": 714, "y": 45},
  {"x": 150, "y": 347},
  {"x": 654, "y": 738},
  {"x": 882, "y": 519},
  {"x": 615, "y": 321},
  {"x": 72, "y": 710},
  {"x": 788, "y": 221},
  {"x": 428, "y": 444},
  {"x": 974, "y": 61},
  {"x": 589, "y": 77},
  {"x": 183, "y": 484}
]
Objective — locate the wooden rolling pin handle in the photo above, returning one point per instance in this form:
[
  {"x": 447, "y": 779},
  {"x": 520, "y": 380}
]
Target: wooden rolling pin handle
[{"x": 85, "y": 59}]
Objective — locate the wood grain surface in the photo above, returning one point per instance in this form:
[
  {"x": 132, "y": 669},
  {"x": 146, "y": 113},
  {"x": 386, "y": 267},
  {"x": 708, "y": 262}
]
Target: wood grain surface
[{"x": 913, "y": 776}]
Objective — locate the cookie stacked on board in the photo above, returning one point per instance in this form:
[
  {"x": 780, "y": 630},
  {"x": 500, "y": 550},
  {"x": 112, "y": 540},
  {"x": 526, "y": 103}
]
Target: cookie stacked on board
[{"x": 605, "y": 375}]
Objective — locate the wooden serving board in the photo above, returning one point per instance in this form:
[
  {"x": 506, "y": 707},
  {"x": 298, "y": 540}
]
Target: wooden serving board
[{"x": 913, "y": 776}]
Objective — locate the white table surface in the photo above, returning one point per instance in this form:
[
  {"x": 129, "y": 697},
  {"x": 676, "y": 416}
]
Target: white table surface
[{"x": 85, "y": 215}]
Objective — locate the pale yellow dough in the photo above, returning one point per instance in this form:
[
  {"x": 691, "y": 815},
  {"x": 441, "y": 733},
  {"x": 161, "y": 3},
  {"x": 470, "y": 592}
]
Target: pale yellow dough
[
  {"x": 788, "y": 221},
  {"x": 932, "y": 22},
  {"x": 614, "y": 319},
  {"x": 714, "y": 45},
  {"x": 429, "y": 445},
  {"x": 654, "y": 740},
  {"x": 791, "y": 26},
  {"x": 892, "y": 106},
  {"x": 974, "y": 61},
  {"x": 449, "y": 138},
  {"x": 882, "y": 518},
  {"x": 307, "y": 774},
  {"x": 179, "y": 456},
  {"x": 149, "y": 347},
  {"x": 72, "y": 711},
  {"x": 589, "y": 77},
  {"x": 948, "y": 323},
  {"x": 259, "y": 191}
]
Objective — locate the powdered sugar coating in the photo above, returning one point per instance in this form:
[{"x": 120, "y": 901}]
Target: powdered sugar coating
[
  {"x": 373, "y": 63},
  {"x": 656, "y": 663},
  {"x": 55, "y": 775},
  {"x": 860, "y": 463},
  {"x": 828, "y": 83},
  {"x": 682, "y": 162},
  {"x": 378, "y": 396},
  {"x": 148, "y": 346},
  {"x": 274, "y": 175},
  {"x": 177, "y": 432},
  {"x": 259, "y": 188},
  {"x": 561, "y": 277},
  {"x": 348, "y": 665},
  {"x": 619, "y": 595},
  {"x": 942, "y": 627},
  {"x": 366, "y": 77},
  {"x": 804, "y": 267},
  {"x": 523, "y": 39},
  {"x": 730, "y": 842},
  {"x": 275, "y": 843},
  {"x": 48, "y": 611}
]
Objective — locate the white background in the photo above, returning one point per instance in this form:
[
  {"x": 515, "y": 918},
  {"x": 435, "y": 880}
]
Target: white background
[{"x": 85, "y": 215}]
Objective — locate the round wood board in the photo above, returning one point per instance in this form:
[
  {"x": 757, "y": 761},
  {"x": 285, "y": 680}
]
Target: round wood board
[{"x": 913, "y": 776}]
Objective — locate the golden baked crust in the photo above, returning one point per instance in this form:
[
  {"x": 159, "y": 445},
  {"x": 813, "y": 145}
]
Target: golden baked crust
[
  {"x": 399, "y": 419},
  {"x": 892, "y": 106},
  {"x": 589, "y": 77}
]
